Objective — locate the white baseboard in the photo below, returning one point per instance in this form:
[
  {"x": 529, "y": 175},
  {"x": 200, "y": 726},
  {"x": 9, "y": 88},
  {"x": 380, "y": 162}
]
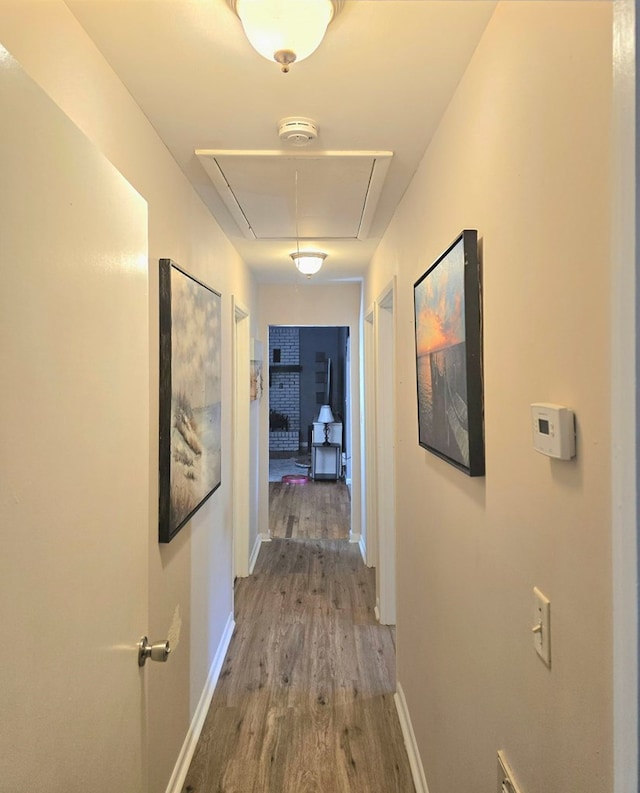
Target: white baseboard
[
  {"x": 189, "y": 746},
  {"x": 417, "y": 771},
  {"x": 254, "y": 553},
  {"x": 363, "y": 550}
]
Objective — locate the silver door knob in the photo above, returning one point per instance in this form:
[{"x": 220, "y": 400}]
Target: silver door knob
[{"x": 157, "y": 652}]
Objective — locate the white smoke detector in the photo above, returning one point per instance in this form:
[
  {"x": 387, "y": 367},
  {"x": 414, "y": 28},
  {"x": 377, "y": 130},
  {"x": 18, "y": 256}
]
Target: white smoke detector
[{"x": 297, "y": 131}]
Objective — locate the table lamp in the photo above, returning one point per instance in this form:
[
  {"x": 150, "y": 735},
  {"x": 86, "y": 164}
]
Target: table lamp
[{"x": 326, "y": 417}]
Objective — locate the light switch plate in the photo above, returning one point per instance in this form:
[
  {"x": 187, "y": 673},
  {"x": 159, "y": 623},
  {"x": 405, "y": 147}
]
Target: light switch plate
[{"x": 541, "y": 628}]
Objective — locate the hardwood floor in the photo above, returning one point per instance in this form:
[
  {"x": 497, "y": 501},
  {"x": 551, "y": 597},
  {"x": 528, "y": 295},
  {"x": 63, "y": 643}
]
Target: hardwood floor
[
  {"x": 316, "y": 510},
  {"x": 304, "y": 703}
]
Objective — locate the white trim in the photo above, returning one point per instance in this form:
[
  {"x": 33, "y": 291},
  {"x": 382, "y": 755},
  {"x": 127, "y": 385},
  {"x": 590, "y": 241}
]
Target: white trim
[
  {"x": 303, "y": 154},
  {"x": 241, "y": 439},
  {"x": 417, "y": 771},
  {"x": 190, "y": 742},
  {"x": 256, "y": 550},
  {"x": 385, "y": 439},
  {"x": 623, "y": 402},
  {"x": 386, "y": 297},
  {"x": 369, "y": 454},
  {"x": 363, "y": 549}
]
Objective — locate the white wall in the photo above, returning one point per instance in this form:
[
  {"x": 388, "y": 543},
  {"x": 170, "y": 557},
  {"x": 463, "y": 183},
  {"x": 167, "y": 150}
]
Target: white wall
[
  {"x": 523, "y": 155},
  {"x": 190, "y": 590},
  {"x": 306, "y": 303}
]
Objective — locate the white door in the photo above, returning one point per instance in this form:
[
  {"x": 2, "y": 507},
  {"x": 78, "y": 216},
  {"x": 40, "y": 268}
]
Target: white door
[{"x": 74, "y": 455}]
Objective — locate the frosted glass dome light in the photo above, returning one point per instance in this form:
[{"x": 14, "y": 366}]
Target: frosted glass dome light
[
  {"x": 308, "y": 262},
  {"x": 285, "y": 30}
]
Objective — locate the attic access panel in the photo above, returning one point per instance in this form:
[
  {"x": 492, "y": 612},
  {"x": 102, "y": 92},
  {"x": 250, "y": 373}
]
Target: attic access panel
[{"x": 337, "y": 192}]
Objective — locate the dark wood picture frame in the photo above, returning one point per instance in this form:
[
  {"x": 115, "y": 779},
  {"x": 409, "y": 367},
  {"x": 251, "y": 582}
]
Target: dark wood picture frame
[
  {"x": 448, "y": 333},
  {"x": 190, "y": 397}
]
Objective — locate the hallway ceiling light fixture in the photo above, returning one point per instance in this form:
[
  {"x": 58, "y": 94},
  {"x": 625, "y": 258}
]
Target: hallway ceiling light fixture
[
  {"x": 285, "y": 31},
  {"x": 308, "y": 262}
]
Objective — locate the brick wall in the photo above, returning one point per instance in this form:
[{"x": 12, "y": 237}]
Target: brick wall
[
  {"x": 284, "y": 389},
  {"x": 287, "y": 340},
  {"x": 284, "y": 441}
]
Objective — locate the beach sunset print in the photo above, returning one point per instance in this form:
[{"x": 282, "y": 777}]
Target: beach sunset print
[{"x": 441, "y": 357}]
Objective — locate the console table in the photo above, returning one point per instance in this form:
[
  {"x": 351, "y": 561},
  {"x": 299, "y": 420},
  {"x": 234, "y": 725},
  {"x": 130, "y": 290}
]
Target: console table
[{"x": 326, "y": 461}]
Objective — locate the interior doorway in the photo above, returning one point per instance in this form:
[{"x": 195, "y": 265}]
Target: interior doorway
[{"x": 309, "y": 432}]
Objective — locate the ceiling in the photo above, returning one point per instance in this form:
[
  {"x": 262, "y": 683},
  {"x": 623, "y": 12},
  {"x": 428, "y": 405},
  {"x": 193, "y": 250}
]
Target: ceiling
[{"x": 376, "y": 87}]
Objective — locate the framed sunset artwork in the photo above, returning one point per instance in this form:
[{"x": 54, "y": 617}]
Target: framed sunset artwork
[{"x": 448, "y": 327}]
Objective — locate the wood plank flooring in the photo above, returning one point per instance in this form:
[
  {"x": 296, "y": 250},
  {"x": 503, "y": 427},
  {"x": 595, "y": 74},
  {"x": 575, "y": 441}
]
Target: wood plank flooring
[
  {"x": 304, "y": 703},
  {"x": 316, "y": 510}
]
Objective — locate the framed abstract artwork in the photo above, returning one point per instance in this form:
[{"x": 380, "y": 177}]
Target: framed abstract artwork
[
  {"x": 448, "y": 327},
  {"x": 255, "y": 370},
  {"x": 190, "y": 397}
]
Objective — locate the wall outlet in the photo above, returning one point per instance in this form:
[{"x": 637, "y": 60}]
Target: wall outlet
[{"x": 541, "y": 628}]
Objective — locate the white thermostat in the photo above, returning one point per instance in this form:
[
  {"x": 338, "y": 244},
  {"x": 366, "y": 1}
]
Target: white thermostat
[{"x": 554, "y": 430}]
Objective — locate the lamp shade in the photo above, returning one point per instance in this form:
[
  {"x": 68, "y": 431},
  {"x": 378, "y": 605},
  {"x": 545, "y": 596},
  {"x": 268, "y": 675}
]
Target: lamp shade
[
  {"x": 294, "y": 27},
  {"x": 325, "y": 416},
  {"x": 310, "y": 262}
]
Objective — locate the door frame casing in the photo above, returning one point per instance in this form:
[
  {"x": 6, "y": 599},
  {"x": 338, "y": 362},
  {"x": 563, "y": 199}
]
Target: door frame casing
[
  {"x": 385, "y": 467},
  {"x": 369, "y": 544},
  {"x": 625, "y": 405},
  {"x": 241, "y": 438}
]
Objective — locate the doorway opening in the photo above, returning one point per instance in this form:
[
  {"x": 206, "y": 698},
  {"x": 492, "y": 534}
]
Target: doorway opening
[{"x": 309, "y": 432}]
